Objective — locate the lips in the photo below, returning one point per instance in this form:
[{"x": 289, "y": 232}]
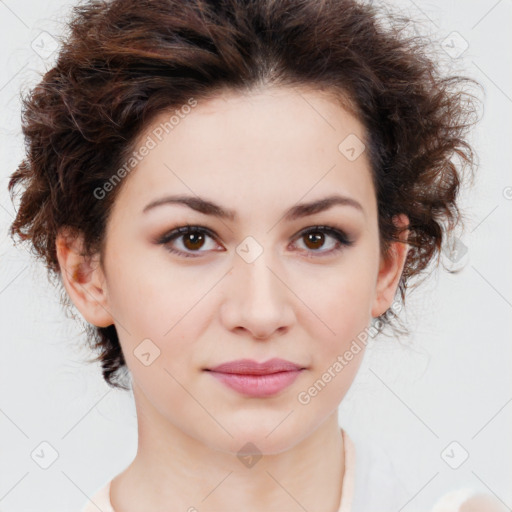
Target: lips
[
  {"x": 250, "y": 367},
  {"x": 257, "y": 380}
]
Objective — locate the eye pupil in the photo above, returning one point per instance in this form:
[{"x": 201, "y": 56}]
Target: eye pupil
[
  {"x": 315, "y": 238},
  {"x": 194, "y": 238}
]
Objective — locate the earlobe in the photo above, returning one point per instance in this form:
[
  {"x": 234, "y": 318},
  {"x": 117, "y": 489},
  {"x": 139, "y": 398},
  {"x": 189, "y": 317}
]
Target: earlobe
[
  {"x": 83, "y": 279},
  {"x": 390, "y": 270}
]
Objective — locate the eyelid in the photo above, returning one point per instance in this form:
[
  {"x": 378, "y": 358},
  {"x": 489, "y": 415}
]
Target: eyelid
[
  {"x": 330, "y": 230},
  {"x": 338, "y": 234},
  {"x": 177, "y": 232}
]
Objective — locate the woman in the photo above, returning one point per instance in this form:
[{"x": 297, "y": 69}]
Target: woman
[{"x": 230, "y": 193}]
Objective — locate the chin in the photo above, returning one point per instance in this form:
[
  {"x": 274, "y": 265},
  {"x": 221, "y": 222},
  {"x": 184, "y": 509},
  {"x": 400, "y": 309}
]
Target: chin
[{"x": 257, "y": 439}]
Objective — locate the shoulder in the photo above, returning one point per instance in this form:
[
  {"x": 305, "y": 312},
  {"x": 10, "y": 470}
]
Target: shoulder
[
  {"x": 100, "y": 500},
  {"x": 377, "y": 486},
  {"x": 468, "y": 500}
]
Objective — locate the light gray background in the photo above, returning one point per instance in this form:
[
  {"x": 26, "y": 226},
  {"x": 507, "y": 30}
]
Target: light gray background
[{"x": 454, "y": 384}]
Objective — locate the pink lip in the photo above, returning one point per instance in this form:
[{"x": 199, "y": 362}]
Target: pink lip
[{"x": 257, "y": 379}]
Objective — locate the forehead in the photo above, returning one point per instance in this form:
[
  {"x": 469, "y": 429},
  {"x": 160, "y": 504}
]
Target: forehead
[{"x": 277, "y": 144}]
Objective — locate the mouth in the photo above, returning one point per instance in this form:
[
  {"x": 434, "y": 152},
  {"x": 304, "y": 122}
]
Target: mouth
[{"x": 254, "y": 379}]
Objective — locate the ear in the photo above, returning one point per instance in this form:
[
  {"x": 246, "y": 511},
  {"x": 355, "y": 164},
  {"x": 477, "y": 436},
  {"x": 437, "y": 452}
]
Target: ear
[
  {"x": 390, "y": 269},
  {"x": 83, "y": 279}
]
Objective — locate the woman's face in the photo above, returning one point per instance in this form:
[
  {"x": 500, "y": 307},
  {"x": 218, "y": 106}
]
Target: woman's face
[{"x": 251, "y": 286}]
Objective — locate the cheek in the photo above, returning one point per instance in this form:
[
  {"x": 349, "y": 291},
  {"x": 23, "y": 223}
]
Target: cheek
[
  {"x": 150, "y": 294},
  {"x": 338, "y": 305},
  {"x": 160, "y": 312},
  {"x": 338, "y": 324}
]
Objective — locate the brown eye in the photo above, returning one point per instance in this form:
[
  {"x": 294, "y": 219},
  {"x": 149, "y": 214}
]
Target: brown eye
[
  {"x": 315, "y": 238},
  {"x": 193, "y": 239}
]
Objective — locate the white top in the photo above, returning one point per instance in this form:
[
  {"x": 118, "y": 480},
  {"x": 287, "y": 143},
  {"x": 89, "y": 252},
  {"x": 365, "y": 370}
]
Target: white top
[{"x": 370, "y": 484}]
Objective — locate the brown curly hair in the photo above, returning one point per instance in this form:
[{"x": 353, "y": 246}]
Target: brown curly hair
[{"x": 125, "y": 61}]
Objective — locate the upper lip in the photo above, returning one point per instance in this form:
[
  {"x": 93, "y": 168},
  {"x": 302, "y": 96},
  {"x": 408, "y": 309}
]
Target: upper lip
[{"x": 250, "y": 367}]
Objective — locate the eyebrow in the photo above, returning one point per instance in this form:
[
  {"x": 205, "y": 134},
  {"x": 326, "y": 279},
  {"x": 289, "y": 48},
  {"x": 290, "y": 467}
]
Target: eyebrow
[{"x": 295, "y": 212}]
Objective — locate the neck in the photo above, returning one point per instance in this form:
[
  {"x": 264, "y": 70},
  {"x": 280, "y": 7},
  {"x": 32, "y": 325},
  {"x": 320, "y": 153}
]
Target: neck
[{"x": 174, "y": 471}]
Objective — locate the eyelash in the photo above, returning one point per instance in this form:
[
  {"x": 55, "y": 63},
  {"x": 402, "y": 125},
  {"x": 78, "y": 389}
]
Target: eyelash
[{"x": 340, "y": 236}]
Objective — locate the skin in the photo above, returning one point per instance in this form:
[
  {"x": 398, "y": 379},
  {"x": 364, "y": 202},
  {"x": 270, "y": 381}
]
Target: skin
[
  {"x": 258, "y": 154},
  {"x": 478, "y": 502}
]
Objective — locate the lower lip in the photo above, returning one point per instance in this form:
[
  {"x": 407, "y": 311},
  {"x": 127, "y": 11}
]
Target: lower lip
[{"x": 257, "y": 385}]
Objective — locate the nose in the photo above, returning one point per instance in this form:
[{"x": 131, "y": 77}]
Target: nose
[{"x": 257, "y": 300}]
